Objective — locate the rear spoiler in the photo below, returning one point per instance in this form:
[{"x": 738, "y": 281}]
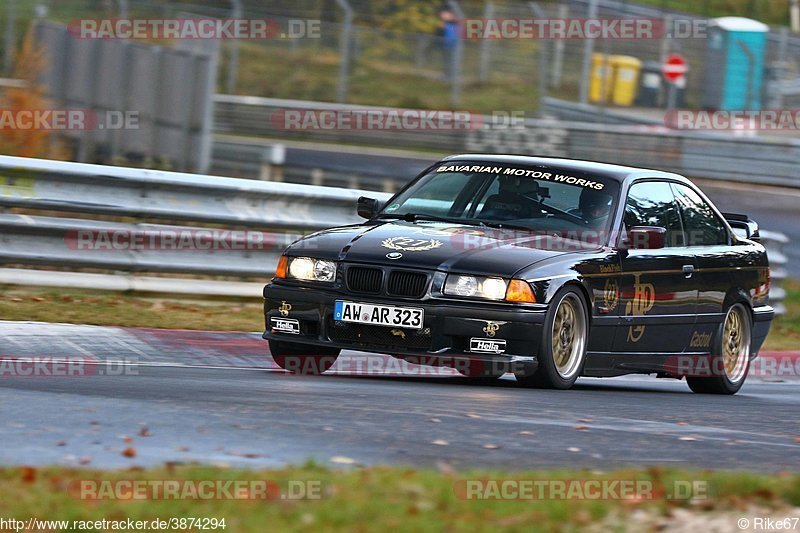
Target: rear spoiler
[{"x": 743, "y": 226}]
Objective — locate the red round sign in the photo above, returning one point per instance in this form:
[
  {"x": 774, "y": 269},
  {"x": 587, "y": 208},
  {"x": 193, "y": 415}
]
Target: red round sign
[{"x": 674, "y": 68}]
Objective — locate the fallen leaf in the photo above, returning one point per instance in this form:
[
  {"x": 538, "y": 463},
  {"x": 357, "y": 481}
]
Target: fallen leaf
[
  {"x": 127, "y": 440},
  {"x": 581, "y": 428},
  {"x": 85, "y": 460},
  {"x": 797, "y": 439},
  {"x": 683, "y": 423},
  {"x": 129, "y": 452},
  {"x": 182, "y": 448},
  {"x": 28, "y": 474},
  {"x": 440, "y": 442},
  {"x": 145, "y": 432},
  {"x": 342, "y": 460},
  {"x": 584, "y": 420}
]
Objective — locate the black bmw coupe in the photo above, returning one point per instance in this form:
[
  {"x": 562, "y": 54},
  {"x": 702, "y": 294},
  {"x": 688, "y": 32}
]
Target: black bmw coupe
[{"x": 547, "y": 268}]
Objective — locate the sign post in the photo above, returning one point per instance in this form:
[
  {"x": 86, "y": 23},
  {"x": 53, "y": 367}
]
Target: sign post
[{"x": 674, "y": 70}]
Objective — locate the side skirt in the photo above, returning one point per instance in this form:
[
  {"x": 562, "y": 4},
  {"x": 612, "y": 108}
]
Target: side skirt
[{"x": 610, "y": 364}]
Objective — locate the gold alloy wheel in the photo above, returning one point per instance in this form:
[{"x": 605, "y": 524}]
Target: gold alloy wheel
[
  {"x": 736, "y": 344},
  {"x": 569, "y": 336}
]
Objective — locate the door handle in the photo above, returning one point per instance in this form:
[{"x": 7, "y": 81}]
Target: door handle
[{"x": 688, "y": 270}]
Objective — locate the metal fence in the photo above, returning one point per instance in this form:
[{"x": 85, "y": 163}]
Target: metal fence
[
  {"x": 361, "y": 42},
  {"x": 714, "y": 155},
  {"x": 152, "y": 105},
  {"x": 223, "y": 204}
]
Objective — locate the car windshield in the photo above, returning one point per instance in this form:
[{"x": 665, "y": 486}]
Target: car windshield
[{"x": 515, "y": 197}]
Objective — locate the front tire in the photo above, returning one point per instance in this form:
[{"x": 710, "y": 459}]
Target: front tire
[
  {"x": 730, "y": 360},
  {"x": 303, "y": 358},
  {"x": 565, "y": 337}
]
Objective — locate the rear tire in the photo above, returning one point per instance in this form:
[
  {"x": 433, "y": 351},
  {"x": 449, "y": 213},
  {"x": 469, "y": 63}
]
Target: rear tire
[
  {"x": 565, "y": 336},
  {"x": 730, "y": 359},
  {"x": 303, "y": 358}
]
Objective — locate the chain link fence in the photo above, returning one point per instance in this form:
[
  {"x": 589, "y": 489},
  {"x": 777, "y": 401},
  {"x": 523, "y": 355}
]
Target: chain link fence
[{"x": 360, "y": 53}]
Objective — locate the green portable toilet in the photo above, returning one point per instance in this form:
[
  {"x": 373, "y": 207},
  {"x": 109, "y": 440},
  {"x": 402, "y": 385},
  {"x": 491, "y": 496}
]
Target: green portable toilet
[{"x": 734, "y": 63}]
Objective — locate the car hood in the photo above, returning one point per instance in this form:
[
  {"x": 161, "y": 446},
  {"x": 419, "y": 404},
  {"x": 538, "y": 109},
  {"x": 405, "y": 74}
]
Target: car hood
[{"x": 436, "y": 246}]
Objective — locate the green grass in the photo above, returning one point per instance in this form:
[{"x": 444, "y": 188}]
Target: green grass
[
  {"x": 785, "y": 331},
  {"x": 384, "y": 498},
  {"x": 122, "y": 309},
  {"x": 312, "y": 75},
  {"x": 774, "y": 12}
]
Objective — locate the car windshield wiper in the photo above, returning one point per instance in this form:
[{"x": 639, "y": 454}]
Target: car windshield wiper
[
  {"x": 411, "y": 217},
  {"x": 502, "y": 225}
]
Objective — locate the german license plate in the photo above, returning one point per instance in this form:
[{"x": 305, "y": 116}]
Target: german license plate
[{"x": 379, "y": 315}]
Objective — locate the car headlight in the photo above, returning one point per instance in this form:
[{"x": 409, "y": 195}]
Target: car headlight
[
  {"x": 490, "y": 288},
  {"x": 310, "y": 269},
  {"x": 476, "y": 287}
]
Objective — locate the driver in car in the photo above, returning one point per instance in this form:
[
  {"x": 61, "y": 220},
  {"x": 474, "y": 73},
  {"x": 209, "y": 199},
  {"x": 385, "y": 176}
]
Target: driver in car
[
  {"x": 594, "y": 207},
  {"x": 516, "y": 199}
]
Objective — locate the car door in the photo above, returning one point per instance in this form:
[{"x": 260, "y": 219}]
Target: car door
[
  {"x": 658, "y": 291},
  {"x": 715, "y": 262}
]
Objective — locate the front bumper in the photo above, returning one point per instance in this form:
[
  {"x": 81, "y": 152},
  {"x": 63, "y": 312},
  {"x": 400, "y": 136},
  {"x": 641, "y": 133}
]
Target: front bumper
[{"x": 448, "y": 326}]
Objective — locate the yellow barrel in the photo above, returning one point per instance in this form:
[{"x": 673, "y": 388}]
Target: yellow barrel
[
  {"x": 626, "y": 79},
  {"x": 601, "y": 79}
]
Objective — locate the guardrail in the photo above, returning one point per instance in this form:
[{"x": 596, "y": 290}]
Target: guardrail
[
  {"x": 698, "y": 154},
  {"x": 334, "y": 166},
  {"x": 775, "y": 242},
  {"x": 274, "y": 214},
  {"x": 266, "y": 213},
  {"x": 171, "y": 196}
]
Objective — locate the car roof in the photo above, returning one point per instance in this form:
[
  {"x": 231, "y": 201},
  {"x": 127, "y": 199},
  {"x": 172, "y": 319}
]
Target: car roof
[{"x": 617, "y": 172}]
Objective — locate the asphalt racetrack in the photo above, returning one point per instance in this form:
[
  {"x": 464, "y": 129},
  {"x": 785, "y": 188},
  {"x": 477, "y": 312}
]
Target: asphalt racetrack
[{"x": 219, "y": 398}]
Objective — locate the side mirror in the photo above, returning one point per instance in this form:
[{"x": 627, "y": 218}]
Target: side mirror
[
  {"x": 646, "y": 237},
  {"x": 368, "y": 207}
]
